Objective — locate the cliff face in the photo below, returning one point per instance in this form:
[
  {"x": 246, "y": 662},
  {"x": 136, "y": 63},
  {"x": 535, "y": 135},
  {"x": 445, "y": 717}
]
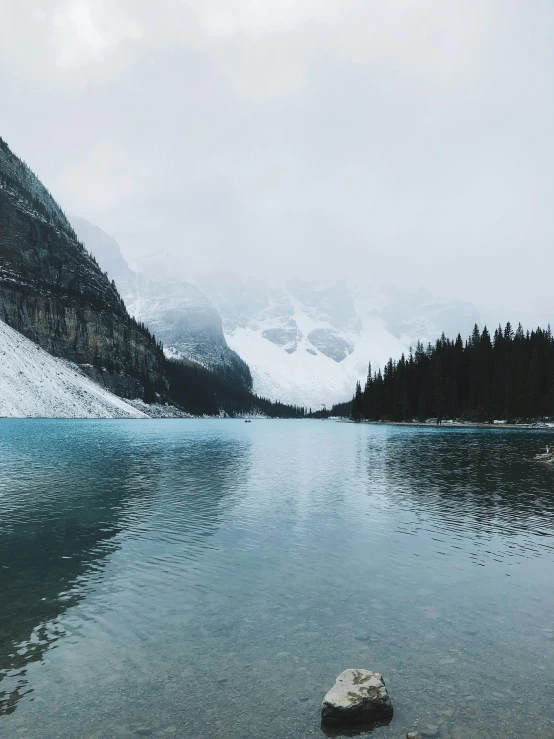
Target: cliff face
[
  {"x": 53, "y": 291},
  {"x": 177, "y": 312}
]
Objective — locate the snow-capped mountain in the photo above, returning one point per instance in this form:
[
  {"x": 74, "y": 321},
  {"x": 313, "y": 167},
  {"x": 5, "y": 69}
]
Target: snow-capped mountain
[
  {"x": 308, "y": 342},
  {"x": 34, "y": 384},
  {"x": 177, "y": 312}
]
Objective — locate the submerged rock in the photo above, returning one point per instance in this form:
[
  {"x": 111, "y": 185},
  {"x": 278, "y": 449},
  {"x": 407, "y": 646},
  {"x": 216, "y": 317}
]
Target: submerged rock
[
  {"x": 358, "y": 696},
  {"x": 430, "y": 731}
]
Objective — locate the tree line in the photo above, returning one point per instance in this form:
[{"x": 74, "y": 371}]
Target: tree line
[
  {"x": 509, "y": 376},
  {"x": 203, "y": 391}
]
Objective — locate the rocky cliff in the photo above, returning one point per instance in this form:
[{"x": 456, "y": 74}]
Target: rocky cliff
[
  {"x": 178, "y": 313},
  {"x": 53, "y": 291}
]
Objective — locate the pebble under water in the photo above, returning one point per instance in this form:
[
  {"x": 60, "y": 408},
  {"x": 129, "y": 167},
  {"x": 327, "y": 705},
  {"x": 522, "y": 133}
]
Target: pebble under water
[{"x": 198, "y": 579}]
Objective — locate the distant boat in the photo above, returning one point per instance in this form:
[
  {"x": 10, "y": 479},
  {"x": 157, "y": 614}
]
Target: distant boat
[{"x": 248, "y": 421}]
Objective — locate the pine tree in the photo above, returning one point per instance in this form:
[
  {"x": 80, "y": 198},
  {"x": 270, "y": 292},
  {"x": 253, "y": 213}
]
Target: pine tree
[
  {"x": 366, "y": 410},
  {"x": 437, "y": 390},
  {"x": 507, "y": 377},
  {"x": 357, "y": 403}
]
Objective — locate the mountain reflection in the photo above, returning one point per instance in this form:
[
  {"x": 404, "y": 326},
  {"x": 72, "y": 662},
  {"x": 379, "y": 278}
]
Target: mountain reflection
[{"x": 68, "y": 494}]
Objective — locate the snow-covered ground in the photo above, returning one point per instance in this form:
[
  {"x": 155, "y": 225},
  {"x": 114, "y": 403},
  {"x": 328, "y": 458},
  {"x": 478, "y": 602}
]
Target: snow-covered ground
[
  {"x": 34, "y": 384},
  {"x": 157, "y": 410}
]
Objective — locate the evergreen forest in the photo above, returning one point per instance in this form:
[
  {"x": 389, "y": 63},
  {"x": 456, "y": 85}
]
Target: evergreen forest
[
  {"x": 210, "y": 392},
  {"x": 508, "y": 376}
]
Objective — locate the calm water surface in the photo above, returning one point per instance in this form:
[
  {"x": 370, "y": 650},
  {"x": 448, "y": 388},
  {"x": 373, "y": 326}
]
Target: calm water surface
[{"x": 205, "y": 579}]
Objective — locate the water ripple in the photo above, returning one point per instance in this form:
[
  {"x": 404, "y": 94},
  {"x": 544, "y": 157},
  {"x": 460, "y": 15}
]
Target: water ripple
[{"x": 145, "y": 565}]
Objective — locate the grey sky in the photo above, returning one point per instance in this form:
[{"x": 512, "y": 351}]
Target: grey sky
[{"x": 409, "y": 139}]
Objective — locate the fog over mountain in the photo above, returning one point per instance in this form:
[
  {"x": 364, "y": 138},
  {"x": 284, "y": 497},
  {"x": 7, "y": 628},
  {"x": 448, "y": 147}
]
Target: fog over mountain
[
  {"x": 306, "y": 342},
  {"x": 309, "y": 342},
  {"x": 310, "y": 140},
  {"x": 176, "y": 311}
]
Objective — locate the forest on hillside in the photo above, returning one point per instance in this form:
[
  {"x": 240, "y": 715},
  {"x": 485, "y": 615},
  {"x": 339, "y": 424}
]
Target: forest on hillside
[
  {"x": 508, "y": 376},
  {"x": 210, "y": 392}
]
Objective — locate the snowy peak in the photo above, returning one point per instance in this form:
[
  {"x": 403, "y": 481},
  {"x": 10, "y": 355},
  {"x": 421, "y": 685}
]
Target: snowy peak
[
  {"x": 330, "y": 302},
  {"x": 177, "y": 312},
  {"x": 180, "y": 315},
  {"x": 308, "y": 342}
]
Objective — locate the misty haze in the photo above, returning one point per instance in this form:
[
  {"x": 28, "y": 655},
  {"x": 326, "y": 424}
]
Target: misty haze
[{"x": 276, "y": 369}]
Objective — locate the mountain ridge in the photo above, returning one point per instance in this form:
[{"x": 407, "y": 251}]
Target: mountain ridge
[
  {"x": 305, "y": 342},
  {"x": 177, "y": 312},
  {"x": 53, "y": 291},
  {"x": 310, "y": 341},
  {"x": 55, "y": 298}
]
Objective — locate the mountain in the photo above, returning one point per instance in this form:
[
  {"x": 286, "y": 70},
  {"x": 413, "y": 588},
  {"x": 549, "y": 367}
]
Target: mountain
[
  {"x": 308, "y": 342},
  {"x": 65, "y": 324},
  {"x": 177, "y": 312},
  {"x": 303, "y": 342},
  {"x": 53, "y": 291},
  {"x": 34, "y": 384}
]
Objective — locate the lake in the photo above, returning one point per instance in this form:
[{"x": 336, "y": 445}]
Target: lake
[{"x": 196, "y": 579}]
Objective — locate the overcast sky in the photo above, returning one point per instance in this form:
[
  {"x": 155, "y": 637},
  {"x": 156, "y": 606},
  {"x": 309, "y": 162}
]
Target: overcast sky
[{"x": 412, "y": 139}]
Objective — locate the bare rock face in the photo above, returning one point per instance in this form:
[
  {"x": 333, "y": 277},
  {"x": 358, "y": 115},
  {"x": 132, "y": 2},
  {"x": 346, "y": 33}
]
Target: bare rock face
[
  {"x": 330, "y": 343},
  {"x": 53, "y": 292},
  {"x": 286, "y": 337},
  {"x": 358, "y": 696},
  {"x": 175, "y": 311}
]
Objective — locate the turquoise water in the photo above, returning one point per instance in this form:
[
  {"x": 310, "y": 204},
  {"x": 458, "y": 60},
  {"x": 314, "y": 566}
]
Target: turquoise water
[{"x": 211, "y": 578}]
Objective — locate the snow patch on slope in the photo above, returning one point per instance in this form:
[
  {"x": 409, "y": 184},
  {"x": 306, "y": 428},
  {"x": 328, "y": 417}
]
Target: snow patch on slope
[
  {"x": 308, "y": 377},
  {"x": 307, "y": 343},
  {"x": 175, "y": 311},
  {"x": 34, "y": 384}
]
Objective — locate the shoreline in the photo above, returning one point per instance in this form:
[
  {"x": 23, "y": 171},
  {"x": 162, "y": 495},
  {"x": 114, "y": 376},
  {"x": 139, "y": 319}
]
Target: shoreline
[{"x": 534, "y": 426}]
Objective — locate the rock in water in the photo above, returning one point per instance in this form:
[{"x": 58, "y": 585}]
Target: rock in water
[{"x": 358, "y": 696}]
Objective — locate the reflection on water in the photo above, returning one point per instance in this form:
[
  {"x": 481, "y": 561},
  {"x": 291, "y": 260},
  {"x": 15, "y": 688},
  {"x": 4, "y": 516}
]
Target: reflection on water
[
  {"x": 65, "y": 512},
  {"x": 211, "y": 578},
  {"x": 484, "y": 486}
]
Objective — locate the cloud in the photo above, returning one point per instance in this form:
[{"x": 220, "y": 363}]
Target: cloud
[
  {"x": 104, "y": 178},
  {"x": 323, "y": 137},
  {"x": 83, "y": 33},
  {"x": 263, "y": 49}
]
